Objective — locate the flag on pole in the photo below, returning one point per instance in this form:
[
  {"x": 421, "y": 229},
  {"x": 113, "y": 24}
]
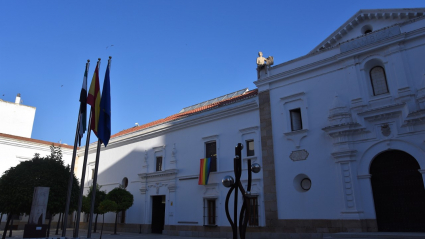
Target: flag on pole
[
  {"x": 104, "y": 130},
  {"x": 204, "y": 171},
  {"x": 93, "y": 99},
  {"x": 83, "y": 105}
]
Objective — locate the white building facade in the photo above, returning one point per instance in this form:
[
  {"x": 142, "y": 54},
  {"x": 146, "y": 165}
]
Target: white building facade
[
  {"x": 159, "y": 164},
  {"x": 348, "y": 128},
  {"x": 339, "y": 134},
  {"x": 16, "y": 118},
  {"x": 16, "y": 144}
]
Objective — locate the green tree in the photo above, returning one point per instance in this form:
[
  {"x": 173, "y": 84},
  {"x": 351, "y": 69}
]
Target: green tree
[
  {"x": 17, "y": 184},
  {"x": 99, "y": 197},
  {"x": 123, "y": 199},
  {"x": 104, "y": 207}
]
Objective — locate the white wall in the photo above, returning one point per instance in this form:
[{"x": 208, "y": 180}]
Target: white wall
[
  {"x": 16, "y": 119},
  {"x": 227, "y": 125},
  {"x": 340, "y": 184}
]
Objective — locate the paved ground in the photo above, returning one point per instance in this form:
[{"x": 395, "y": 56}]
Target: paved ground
[{"x": 108, "y": 235}]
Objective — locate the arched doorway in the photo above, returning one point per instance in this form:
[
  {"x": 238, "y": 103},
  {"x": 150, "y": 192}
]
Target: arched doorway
[{"x": 398, "y": 192}]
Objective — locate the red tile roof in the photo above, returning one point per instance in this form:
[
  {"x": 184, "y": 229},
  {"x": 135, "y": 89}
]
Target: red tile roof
[
  {"x": 232, "y": 100},
  {"x": 35, "y": 141}
]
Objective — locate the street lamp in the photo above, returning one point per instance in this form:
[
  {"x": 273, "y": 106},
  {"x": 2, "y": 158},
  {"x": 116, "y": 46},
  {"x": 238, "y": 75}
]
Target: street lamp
[{"x": 235, "y": 184}]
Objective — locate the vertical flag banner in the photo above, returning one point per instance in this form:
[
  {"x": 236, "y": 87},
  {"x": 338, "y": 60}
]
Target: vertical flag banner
[
  {"x": 83, "y": 105},
  {"x": 204, "y": 171},
  {"x": 93, "y": 99},
  {"x": 104, "y": 130}
]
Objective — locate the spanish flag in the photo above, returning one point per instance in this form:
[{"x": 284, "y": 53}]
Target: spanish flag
[
  {"x": 204, "y": 171},
  {"x": 93, "y": 99}
]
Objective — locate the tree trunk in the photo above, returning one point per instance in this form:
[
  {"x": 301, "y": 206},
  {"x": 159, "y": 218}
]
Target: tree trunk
[
  {"x": 9, "y": 217},
  {"x": 116, "y": 221},
  {"x": 48, "y": 228},
  {"x": 11, "y": 226},
  {"x": 95, "y": 223},
  {"x": 101, "y": 230},
  {"x": 58, "y": 223},
  {"x": 1, "y": 217}
]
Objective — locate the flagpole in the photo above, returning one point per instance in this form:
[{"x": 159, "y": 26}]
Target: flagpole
[
  {"x": 71, "y": 174},
  {"x": 80, "y": 199},
  {"x": 96, "y": 167},
  {"x": 77, "y": 225}
]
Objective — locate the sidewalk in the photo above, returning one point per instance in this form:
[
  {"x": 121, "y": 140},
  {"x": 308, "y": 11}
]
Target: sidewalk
[{"x": 107, "y": 235}]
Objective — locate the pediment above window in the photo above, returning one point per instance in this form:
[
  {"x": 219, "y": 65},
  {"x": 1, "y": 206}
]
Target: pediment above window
[
  {"x": 159, "y": 175},
  {"x": 360, "y": 29}
]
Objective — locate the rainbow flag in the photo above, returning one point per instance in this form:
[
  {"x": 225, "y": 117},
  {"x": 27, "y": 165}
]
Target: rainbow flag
[{"x": 204, "y": 171}]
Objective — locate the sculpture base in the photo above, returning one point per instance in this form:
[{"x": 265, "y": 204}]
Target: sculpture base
[{"x": 35, "y": 231}]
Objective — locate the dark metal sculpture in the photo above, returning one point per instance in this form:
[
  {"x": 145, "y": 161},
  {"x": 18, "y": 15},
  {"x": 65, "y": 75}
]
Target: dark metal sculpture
[{"x": 235, "y": 184}]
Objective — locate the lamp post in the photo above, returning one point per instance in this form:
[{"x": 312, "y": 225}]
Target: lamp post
[{"x": 235, "y": 184}]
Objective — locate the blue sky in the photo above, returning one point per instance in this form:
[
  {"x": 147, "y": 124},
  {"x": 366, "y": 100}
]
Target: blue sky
[{"x": 166, "y": 55}]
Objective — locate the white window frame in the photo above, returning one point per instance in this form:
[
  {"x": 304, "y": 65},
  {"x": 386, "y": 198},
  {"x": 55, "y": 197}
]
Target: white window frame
[
  {"x": 205, "y": 214},
  {"x": 158, "y": 152},
  {"x": 250, "y": 133},
  {"x": 208, "y": 139},
  {"x": 292, "y": 102},
  {"x": 365, "y": 66}
]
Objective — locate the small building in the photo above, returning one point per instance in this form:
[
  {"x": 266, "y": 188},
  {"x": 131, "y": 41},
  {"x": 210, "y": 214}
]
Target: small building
[
  {"x": 16, "y": 118},
  {"x": 16, "y": 144}
]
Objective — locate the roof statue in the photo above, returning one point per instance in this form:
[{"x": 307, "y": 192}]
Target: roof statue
[{"x": 262, "y": 62}]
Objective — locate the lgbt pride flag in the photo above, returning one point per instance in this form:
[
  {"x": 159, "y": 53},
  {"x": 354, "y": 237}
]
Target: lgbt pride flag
[{"x": 204, "y": 171}]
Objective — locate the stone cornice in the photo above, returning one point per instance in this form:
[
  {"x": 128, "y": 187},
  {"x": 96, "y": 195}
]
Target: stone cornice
[
  {"x": 344, "y": 156},
  {"x": 30, "y": 145},
  {"x": 165, "y": 173},
  {"x": 368, "y": 14},
  {"x": 335, "y": 58},
  {"x": 249, "y": 129},
  {"x": 384, "y": 109}
]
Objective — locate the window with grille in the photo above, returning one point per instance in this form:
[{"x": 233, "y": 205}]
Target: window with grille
[
  {"x": 296, "y": 120},
  {"x": 250, "y": 148},
  {"x": 210, "y": 212},
  {"x": 378, "y": 80},
  {"x": 253, "y": 211},
  {"x": 158, "y": 163},
  {"x": 211, "y": 152}
]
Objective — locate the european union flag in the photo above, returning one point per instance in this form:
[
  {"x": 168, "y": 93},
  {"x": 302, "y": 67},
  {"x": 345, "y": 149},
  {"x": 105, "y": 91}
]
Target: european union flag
[{"x": 104, "y": 128}]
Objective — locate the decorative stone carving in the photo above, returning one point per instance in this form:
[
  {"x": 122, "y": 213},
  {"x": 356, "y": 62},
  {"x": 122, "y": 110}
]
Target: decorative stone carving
[
  {"x": 211, "y": 190},
  {"x": 296, "y": 136},
  {"x": 172, "y": 186},
  {"x": 385, "y": 130},
  {"x": 263, "y": 62},
  {"x": 299, "y": 155},
  {"x": 415, "y": 118},
  {"x": 143, "y": 190},
  {"x": 349, "y": 199},
  {"x": 339, "y": 113},
  {"x": 157, "y": 186},
  {"x": 173, "y": 151}
]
